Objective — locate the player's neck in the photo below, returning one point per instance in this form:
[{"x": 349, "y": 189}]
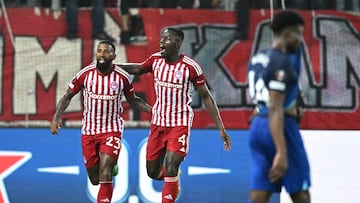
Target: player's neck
[
  {"x": 172, "y": 59},
  {"x": 279, "y": 44}
]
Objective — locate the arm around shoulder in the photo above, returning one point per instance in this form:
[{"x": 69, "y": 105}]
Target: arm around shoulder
[
  {"x": 133, "y": 68},
  {"x": 139, "y": 103}
]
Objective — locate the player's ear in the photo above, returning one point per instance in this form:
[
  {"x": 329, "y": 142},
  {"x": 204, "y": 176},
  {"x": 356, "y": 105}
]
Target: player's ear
[
  {"x": 113, "y": 57},
  {"x": 178, "y": 44}
]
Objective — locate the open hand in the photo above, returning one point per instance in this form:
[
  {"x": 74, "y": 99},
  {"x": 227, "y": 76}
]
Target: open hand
[{"x": 278, "y": 168}]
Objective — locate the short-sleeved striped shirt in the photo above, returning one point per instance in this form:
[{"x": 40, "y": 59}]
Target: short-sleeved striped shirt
[
  {"x": 174, "y": 84},
  {"x": 102, "y": 94}
]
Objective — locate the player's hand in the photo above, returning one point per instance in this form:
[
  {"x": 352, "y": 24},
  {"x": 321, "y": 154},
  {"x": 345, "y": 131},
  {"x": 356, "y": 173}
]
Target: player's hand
[
  {"x": 226, "y": 139},
  {"x": 279, "y": 167},
  {"x": 55, "y": 126}
]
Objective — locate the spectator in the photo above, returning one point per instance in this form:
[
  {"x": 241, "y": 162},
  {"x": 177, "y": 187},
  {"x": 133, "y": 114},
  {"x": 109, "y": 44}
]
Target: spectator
[
  {"x": 125, "y": 18},
  {"x": 162, "y": 3},
  {"x": 97, "y": 17},
  {"x": 348, "y": 5},
  {"x": 306, "y": 4},
  {"x": 242, "y": 9},
  {"x": 132, "y": 30},
  {"x": 202, "y": 4},
  {"x": 54, "y": 5}
]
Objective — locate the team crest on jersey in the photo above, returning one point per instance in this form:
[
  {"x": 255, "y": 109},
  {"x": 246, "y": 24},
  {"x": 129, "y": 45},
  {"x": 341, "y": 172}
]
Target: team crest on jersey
[
  {"x": 114, "y": 85},
  {"x": 178, "y": 74},
  {"x": 280, "y": 75}
]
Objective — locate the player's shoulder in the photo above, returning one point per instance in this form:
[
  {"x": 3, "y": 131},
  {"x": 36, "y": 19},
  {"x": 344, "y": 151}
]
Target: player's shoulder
[
  {"x": 86, "y": 69},
  {"x": 155, "y": 55},
  {"x": 191, "y": 62},
  {"x": 277, "y": 56}
]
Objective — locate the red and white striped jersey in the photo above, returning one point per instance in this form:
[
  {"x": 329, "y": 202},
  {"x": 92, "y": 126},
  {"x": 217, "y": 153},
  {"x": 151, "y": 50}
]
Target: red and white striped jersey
[
  {"x": 174, "y": 84},
  {"x": 102, "y": 96}
]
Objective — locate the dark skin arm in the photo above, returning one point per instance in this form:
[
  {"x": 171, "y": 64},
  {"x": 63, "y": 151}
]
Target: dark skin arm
[
  {"x": 134, "y": 68},
  {"x": 213, "y": 110},
  {"x": 276, "y": 122},
  {"x": 60, "y": 108},
  {"x": 137, "y": 102}
]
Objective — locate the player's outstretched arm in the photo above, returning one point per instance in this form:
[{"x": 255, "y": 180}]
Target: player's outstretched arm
[
  {"x": 137, "y": 102},
  {"x": 133, "y": 68},
  {"x": 60, "y": 108},
  {"x": 276, "y": 122},
  {"x": 213, "y": 110}
]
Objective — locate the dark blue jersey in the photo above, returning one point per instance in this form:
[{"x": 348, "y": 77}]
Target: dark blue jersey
[{"x": 270, "y": 69}]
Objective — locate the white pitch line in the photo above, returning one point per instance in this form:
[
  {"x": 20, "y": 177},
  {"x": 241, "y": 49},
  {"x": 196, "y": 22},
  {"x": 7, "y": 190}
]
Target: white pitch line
[
  {"x": 196, "y": 170},
  {"x": 71, "y": 170}
]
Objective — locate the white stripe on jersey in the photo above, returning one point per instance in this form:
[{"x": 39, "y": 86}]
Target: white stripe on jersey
[
  {"x": 173, "y": 90},
  {"x": 194, "y": 64},
  {"x": 87, "y": 68},
  {"x": 102, "y": 99}
]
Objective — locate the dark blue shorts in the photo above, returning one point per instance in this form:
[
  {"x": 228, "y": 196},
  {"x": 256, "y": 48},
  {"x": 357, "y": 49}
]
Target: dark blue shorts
[{"x": 297, "y": 177}]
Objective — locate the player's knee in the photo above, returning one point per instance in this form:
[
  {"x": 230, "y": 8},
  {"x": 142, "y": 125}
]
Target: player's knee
[
  {"x": 301, "y": 197},
  {"x": 153, "y": 173},
  {"x": 171, "y": 170},
  {"x": 106, "y": 174}
]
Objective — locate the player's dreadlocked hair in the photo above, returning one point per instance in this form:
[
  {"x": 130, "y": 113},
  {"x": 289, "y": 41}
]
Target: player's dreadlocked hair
[{"x": 284, "y": 19}]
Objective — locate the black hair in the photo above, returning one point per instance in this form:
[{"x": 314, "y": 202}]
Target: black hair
[
  {"x": 109, "y": 43},
  {"x": 177, "y": 32},
  {"x": 284, "y": 19}
]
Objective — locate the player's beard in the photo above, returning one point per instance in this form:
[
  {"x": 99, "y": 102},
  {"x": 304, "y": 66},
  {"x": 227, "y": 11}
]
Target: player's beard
[{"x": 103, "y": 67}]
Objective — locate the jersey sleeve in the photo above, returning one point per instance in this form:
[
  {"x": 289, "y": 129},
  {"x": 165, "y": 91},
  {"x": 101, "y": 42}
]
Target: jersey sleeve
[
  {"x": 197, "y": 75},
  {"x": 147, "y": 64},
  {"x": 278, "y": 77},
  {"x": 75, "y": 85}
]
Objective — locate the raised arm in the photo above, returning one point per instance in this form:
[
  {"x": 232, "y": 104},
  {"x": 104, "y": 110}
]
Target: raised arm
[
  {"x": 134, "y": 68},
  {"x": 60, "y": 108},
  {"x": 139, "y": 103},
  {"x": 276, "y": 122},
  {"x": 213, "y": 110}
]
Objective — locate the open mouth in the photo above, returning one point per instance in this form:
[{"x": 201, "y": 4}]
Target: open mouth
[
  {"x": 162, "y": 50},
  {"x": 101, "y": 61}
]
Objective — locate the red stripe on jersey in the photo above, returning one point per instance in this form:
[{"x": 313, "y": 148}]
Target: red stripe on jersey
[
  {"x": 102, "y": 98},
  {"x": 174, "y": 84}
]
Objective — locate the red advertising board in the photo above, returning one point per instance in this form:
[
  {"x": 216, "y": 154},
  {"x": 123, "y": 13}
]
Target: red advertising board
[{"x": 36, "y": 68}]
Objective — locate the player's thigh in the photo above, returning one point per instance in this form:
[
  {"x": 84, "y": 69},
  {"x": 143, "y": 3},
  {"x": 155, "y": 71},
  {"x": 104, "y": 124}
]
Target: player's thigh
[
  {"x": 297, "y": 177},
  {"x": 110, "y": 144},
  {"x": 89, "y": 150},
  {"x": 156, "y": 144},
  {"x": 178, "y": 139}
]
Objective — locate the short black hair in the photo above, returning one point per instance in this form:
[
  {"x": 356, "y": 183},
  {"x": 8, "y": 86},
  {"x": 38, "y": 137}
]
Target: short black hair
[
  {"x": 284, "y": 19},
  {"x": 109, "y": 43},
  {"x": 178, "y": 33}
]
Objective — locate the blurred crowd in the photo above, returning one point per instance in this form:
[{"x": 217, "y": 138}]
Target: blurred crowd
[{"x": 132, "y": 27}]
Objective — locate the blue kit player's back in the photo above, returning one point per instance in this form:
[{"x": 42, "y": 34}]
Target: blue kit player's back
[{"x": 272, "y": 70}]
